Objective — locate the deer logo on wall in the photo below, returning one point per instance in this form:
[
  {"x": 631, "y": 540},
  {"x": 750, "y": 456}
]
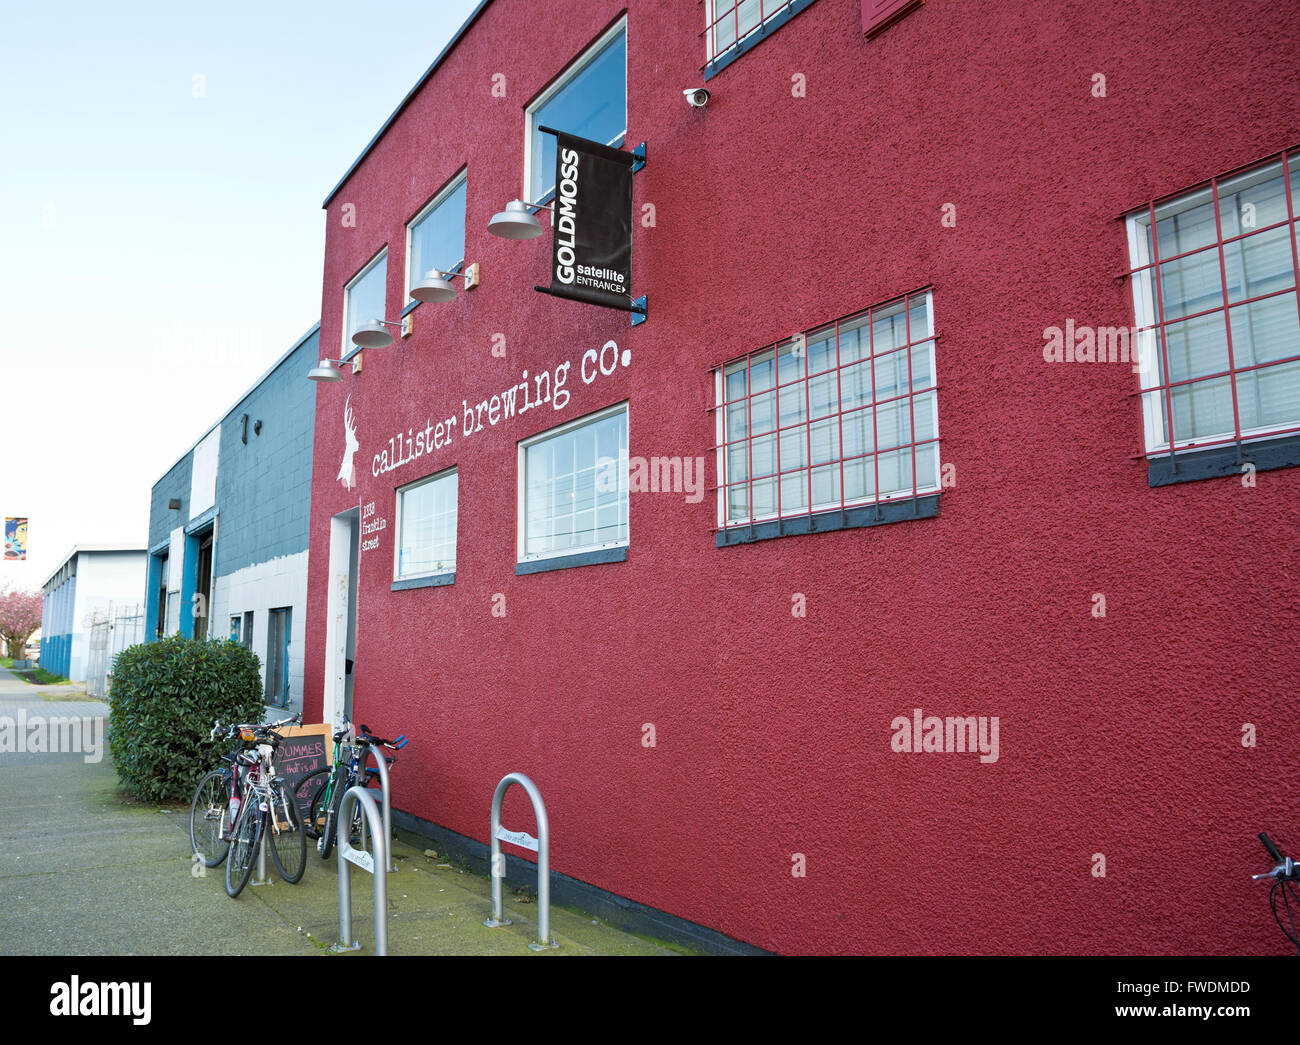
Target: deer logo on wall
[{"x": 347, "y": 474}]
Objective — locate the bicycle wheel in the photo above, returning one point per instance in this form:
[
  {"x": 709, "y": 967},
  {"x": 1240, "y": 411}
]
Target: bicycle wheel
[
  {"x": 246, "y": 838},
  {"x": 309, "y": 793},
  {"x": 288, "y": 841},
  {"x": 210, "y": 818}
]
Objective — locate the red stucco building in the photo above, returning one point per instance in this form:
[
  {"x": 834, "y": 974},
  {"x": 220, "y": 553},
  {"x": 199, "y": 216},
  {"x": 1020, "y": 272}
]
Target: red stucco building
[{"x": 924, "y": 222}]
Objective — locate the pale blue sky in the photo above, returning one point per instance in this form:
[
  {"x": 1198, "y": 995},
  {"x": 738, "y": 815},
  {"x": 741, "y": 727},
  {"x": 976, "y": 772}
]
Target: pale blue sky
[{"x": 161, "y": 237}]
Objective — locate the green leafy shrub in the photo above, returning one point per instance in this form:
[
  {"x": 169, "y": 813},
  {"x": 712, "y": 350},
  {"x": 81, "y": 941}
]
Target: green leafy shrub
[{"x": 164, "y": 698}]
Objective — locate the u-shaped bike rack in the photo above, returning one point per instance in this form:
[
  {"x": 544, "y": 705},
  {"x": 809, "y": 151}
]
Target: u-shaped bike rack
[
  {"x": 377, "y": 865},
  {"x": 382, "y": 763},
  {"x": 541, "y": 845}
]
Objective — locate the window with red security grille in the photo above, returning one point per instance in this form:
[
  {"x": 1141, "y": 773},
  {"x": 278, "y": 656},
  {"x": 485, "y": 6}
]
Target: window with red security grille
[
  {"x": 839, "y": 417},
  {"x": 1214, "y": 275},
  {"x": 879, "y": 15},
  {"x": 732, "y": 27}
]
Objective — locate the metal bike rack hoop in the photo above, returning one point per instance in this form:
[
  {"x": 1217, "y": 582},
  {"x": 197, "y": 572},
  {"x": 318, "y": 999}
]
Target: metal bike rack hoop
[
  {"x": 382, "y": 763},
  {"x": 541, "y": 845},
  {"x": 377, "y": 865}
]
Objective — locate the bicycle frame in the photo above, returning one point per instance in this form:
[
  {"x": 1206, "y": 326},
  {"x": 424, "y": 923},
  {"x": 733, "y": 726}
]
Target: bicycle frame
[
  {"x": 259, "y": 783},
  {"x": 348, "y": 769},
  {"x": 343, "y": 774}
]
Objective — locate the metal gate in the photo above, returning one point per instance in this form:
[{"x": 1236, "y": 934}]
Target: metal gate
[{"x": 111, "y": 631}]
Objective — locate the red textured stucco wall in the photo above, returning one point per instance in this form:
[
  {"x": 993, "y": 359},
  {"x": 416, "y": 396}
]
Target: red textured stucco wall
[{"x": 775, "y": 213}]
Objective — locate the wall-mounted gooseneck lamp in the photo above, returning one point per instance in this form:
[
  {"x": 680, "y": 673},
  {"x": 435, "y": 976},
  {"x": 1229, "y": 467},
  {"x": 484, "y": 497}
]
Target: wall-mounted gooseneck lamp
[
  {"x": 517, "y": 221},
  {"x": 328, "y": 369},
  {"x": 436, "y": 287},
  {"x": 373, "y": 334}
]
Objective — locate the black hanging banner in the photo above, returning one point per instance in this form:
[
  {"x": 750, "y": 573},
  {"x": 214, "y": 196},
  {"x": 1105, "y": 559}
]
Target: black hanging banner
[{"x": 591, "y": 259}]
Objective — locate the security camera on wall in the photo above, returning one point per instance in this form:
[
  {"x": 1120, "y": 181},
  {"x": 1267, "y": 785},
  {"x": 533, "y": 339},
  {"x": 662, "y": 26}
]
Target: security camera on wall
[{"x": 696, "y": 97}]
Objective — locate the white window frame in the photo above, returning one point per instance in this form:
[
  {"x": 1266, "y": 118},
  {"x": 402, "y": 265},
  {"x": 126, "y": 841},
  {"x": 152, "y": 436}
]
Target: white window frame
[
  {"x": 521, "y": 503},
  {"x": 720, "y": 433},
  {"x": 562, "y": 81},
  {"x": 438, "y": 200},
  {"x": 397, "y": 517},
  {"x": 348, "y": 347},
  {"x": 1142, "y": 280},
  {"x": 1144, "y": 312}
]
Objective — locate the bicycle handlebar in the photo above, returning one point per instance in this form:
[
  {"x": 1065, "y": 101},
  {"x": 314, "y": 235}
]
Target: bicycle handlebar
[
  {"x": 370, "y": 738},
  {"x": 1287, "y": 870},
  {"x": 258, "y": 727}
]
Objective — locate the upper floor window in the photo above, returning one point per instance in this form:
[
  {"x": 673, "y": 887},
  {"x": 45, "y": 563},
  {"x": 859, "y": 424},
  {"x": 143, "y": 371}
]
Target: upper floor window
[
  {"x": 1214, "y": 292},
  {"x": 842, "y": 416},
  {"x": 879, "y": 15},
  {"x": 435, "y": 238},
  {"x": 426, "y": 527},
  {"x": 732, "y": 27},
  {"x": 364, "y": 298},
  {"x": 589, "y": 100},
  {"x": 574, "y": 487}
]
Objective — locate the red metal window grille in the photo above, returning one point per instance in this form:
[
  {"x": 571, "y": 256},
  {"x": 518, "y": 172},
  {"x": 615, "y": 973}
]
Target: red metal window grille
[
  {"x": 1214, "y": 275},
  {"x": 729, "y": 23},
  {"x": 839, "y": 416}
]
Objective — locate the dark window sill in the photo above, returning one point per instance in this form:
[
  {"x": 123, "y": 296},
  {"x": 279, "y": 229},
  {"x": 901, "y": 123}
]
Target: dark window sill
[
  {"x": 925, "y": 507},
  {"x": 568, "y": 562},
  {"x": 1189, "y": 466},
  {"x": 754, "y": 38},
  {"x": 437, "y": 580}
]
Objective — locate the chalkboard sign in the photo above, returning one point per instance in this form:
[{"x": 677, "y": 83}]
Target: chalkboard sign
[{"x": 303, "y": 751}]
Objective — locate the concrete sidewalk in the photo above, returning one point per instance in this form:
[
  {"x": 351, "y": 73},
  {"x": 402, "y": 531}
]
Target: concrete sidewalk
[
  {"x": 14, "y": 688},
  {"x": 84, "y": 870}
]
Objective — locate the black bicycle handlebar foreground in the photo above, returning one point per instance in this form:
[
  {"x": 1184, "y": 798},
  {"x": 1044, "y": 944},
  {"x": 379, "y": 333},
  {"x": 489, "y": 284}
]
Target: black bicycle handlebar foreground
[
  {"x": 1284, "y": 875},
  {"x": 365, "y": 737},
  {"x": 370, "y": 738},
  {"x": 1287, "y": 870}
]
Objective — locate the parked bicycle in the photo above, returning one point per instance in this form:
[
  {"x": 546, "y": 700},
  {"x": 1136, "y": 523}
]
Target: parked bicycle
[
  {"x": 210, "y": 818},
  {"x": 326, "y": 787},
  {"x": 1285, "y": 876},
  {"x": 234, "y": 808}
]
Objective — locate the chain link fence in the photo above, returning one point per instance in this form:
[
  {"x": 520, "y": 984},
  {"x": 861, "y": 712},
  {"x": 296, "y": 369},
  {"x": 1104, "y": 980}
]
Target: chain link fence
[{"x": 111, "y": 631}]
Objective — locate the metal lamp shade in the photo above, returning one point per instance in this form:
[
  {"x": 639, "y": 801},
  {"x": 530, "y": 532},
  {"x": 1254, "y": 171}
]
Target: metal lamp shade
[
  {"x": 373, "y": 335},
  {"x": 435, "y": 287},
  {"x": 515, "y": 222},
  {"x": 326, "y": 371}
]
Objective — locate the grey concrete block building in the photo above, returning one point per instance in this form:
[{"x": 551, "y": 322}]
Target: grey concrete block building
[{"x": 228, "y": 527}]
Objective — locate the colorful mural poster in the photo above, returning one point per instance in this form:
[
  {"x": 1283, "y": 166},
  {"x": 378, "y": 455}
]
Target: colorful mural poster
[{"x": 15, "y": 538}]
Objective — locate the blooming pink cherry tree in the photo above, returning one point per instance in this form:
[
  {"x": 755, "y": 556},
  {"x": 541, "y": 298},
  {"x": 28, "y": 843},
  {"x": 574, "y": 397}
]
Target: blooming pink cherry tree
[{"x": 20, "y": 616}]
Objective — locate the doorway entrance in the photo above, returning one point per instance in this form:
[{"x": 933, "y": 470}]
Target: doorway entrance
[
  {"x": 341, "y": 615},
  {"x": 279, "y": 627},
  {"x": 203, "y": 586}
]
